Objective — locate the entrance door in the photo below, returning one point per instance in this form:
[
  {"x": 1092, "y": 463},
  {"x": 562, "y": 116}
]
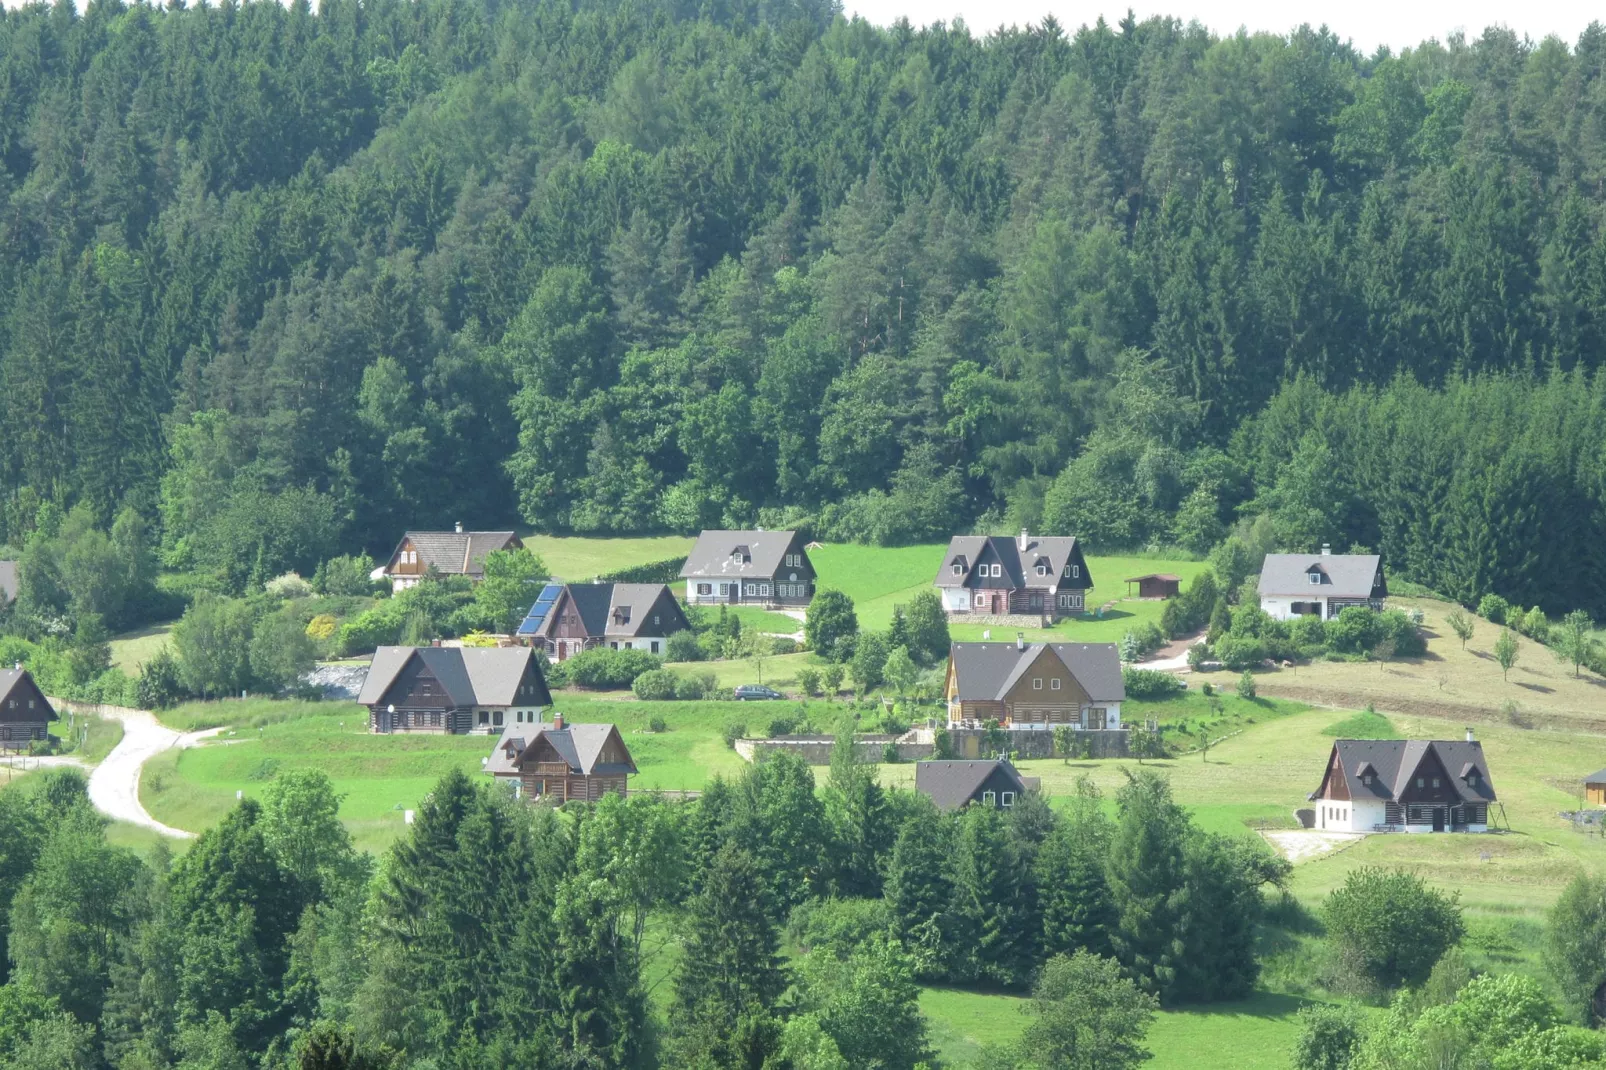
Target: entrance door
[
  {"x": 1438, "y": 819},
  {"x": 736, "y": 593},
  {"x": 384, "y": 721}
]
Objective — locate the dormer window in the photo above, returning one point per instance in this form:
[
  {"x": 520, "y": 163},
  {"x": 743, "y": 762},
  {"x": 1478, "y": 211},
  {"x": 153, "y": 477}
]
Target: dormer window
[
  {"x": 1042, "y": 568},
  {"x": 621, "y": 615},
  {"x": 1315, "y": 576},
  {"x": 1366, "y": 778},
  {"x": 959, "y": 570}
]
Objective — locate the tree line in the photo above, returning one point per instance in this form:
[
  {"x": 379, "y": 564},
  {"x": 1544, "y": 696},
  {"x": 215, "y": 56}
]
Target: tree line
[{"x": 285, "y": 282}]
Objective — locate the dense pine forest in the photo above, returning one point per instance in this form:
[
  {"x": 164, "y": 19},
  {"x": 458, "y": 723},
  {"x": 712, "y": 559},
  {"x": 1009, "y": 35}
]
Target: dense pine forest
[{"x": 279, "y": 283}]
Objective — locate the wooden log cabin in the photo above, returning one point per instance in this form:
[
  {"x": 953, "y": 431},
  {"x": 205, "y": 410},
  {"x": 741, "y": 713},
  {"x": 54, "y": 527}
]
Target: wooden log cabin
[
  {"x": 1405, "y": 785},
  {"x": 1035, "y": 685},
  {"x": 453, "y": 690},
  {"x": 25, "y": 713},
  {"x": 446, "y": 553},
  {"x": 560, "y": 762}
]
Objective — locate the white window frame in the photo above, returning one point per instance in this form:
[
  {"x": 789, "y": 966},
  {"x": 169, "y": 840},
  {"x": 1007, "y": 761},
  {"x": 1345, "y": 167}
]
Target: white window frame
[
  {"x": 705, "y": 588},
  {"x": 988, "y": 798},
  {"x": 998, "y": 571},
  {"x": 655, "y": 646},
  {"x": 1037, "y": 683},
  {"x": 1315, "y": 578},
  {"x": 1007, "y": 799},
  {"x": 1054, "y": 684},
  {"x": 959, "y": 570}
]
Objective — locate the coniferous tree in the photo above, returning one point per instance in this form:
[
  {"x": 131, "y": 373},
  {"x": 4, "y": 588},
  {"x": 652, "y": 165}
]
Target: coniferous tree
[{"x": 730, "y": 966}]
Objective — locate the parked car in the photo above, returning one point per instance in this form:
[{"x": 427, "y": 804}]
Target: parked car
[{"x": 756, "y": 692}]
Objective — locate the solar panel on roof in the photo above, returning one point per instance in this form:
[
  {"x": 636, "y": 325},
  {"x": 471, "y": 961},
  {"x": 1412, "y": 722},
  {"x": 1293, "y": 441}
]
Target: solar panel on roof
[{"x": 538, "y": 612}]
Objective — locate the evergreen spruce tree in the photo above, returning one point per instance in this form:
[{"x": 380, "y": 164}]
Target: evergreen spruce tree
[
  {"x": 992, "y": 887},
  {"x": 1147, "y": 878},
  {"x": 730, "y": 968},
  {"x": 1073, "y": 893}
]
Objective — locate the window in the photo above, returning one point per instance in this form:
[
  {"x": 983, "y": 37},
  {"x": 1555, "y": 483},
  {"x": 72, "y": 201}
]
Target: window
[
  {"x": 959, "y": 570},
  {"x": 987, "y": 798},
  {"x": 1073, "y": 571},
  {"x": 435, "y": 720},
  {"x": 1435, "y": 781},
  {"x": 1054, "y": 685},
  {"x": 1315, "y": 577},
  {"x": 1042, "y": 569},
  {"x": 1037, "y": 683},
  {"x": 655, "y": 618},
  {"x": 705, "y": 588},
  {"x": 623, "y": 614},
  {"x": 30, "y": 703},
  {"x": 1007, "y": 799},
  {"x": 1366, "y": 778},
  {"x": 1420, "y": 782},
  {"x": 794, "y": 561},
  {"x": 485, "y": 718},
  {"x": 998, "y": 570},
  {"x": 496, "y": 718},
  {"x": 655, "y": 646},
  {"x": 614, "y": 644}
]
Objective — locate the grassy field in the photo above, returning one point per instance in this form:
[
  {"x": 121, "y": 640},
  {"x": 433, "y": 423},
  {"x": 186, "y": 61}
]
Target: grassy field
[
  {"x": 575, "y": 558},
  {"x": 133, "y": 649}
]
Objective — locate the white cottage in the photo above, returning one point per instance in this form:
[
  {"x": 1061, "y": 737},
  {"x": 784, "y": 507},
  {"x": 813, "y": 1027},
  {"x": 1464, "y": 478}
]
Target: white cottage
[
  {"x": 1320, "y": 585},
  {"x": 1405, "y": 785}
]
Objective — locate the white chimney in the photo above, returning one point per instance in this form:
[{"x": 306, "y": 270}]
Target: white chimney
[
  {"x": 1020, "y": 640},
  {"x": 1327, "y": 548},
  {"x": 1469, "y": 735},
  {"x": 460, "y": 527},
  {"x": 1024, "y": 539}
]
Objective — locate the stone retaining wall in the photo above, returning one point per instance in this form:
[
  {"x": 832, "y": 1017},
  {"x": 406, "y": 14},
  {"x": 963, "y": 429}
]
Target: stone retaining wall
[
  {"x": 816, "y": 750},
  {"x": 1002, "y": 620},
  {"x": 1104, "y": 743}
]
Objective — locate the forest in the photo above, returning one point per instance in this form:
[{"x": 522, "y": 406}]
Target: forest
[{"x": 279, "y": 283}]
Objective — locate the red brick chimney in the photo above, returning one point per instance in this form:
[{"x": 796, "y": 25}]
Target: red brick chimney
[{"x": 557, "y": 721}]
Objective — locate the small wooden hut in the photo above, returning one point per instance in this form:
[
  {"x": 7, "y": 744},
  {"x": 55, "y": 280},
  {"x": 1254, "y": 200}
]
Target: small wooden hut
[{"x": 1155, "y": 585}]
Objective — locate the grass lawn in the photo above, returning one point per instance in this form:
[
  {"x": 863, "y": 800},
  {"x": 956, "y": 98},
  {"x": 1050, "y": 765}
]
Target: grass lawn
[
  {"x": 1254, "y": 1033},
  {"x": 576, "y": 559},
  {"x": 133, "y": 649},
  {"x": 764, "y": 620},
  {"x": 780, "y": 670}
]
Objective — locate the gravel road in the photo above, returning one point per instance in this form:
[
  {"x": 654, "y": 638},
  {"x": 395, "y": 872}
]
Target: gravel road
[{"x": 114, "y": 783}]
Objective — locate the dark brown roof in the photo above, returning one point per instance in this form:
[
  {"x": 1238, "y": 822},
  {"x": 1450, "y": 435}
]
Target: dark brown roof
[
  {"x": 11, "y": 680},
  {"x": 457, "y": 553},
  {"x": 578, "y": 744},
  {"x": 1153, "y": 576},
  {"x": 1020, "y": 566},
  {"x": 740, "y": 554},
  {"x": 1393, "y": 762},
  {"x": 471, "y": 676},
  {"x": 952, "y": 784},
  {"x": 986, "y": 672}
]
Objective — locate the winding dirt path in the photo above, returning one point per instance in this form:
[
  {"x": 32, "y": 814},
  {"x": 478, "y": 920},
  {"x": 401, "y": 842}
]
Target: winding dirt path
[{"x": 114, "y": 783}]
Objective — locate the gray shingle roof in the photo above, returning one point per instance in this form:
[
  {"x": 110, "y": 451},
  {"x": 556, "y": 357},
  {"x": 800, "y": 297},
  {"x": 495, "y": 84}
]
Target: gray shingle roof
[
  {"x": 1394, "y": 761},
  {"x": 1596, "y": 778},
  {"x": 952, "y": 784},
  {"x": 471, "y": 676},
  {"x": 1020, "y": 567},
  {"x": 8, "y": 581},
  {"x": 9, "y": 680},
  {"x": 578, "y": 744},
  {"x": 639, "y": 598},
  {"x": 986, "y": 671},
  {"x": 714, "y": 553},
  {"x": 1343, "y": 575},
  {"x": 459, "y": 553}
]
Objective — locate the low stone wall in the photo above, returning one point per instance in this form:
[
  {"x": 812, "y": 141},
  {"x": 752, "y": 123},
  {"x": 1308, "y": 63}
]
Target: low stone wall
[
  {"x": 1101, "y": 743},
  {"x": 1002, "y": 620},
  {"x": 816, "y": 750},
  {"x": 99, "y": 709}
]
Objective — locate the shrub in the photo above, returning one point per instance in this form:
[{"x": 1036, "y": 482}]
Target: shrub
[
  {"x": 345, "y": 575},
  {"x": 1198, "y": 654},
  {"x": 889, "y": 753},
  {"x": 655, "y": 685},
  {"x": 606, "y": 669},
  {"x": 160, "y": 684},
  {"x": 683, "y": 646},
  {"x": 784, "y": 725},
  {"x": 830, "y": 620},
  {"x": 1246, "y": 686},
  {"x": 832, "y": 678},
  {"x": 734, "y": 731},
  {"x": 783, "y": 644},
  {"x": 1396, "y": 626},
  {"x": 1493, "y": 608},
  {"x": 1149, "y": 684},
  {"x": 1355, "y": 630},
  {"x": 839, "y": 926},
  {"x": 290, "y": 585},
  {"x": 1328, "y": 1037},
  {"x": 1535, "y": 625},
  {"x": 1390, "y": 926},
  {"x": 321, "y": 627},
  {"x": 1238, "y": 653},
  {"x": 1307, "y": 631},
  {"x": 809, "y": 680},
  {"x": 657, "y": 725},
  {"x": 695, "y": 685}
]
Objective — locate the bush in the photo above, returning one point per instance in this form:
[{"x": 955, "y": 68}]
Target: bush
[
  {"x": 808, "y": 679},
  {"x": 696, "y": 685},
  {"x": 160, "y": 684},
  {"x": 734, "y": 731},
  {"x": 1198, "y": 654},
  {"x": 1390, "y": 926},
  {"x": 657, "y": 726},
  {"x": 784, "y": 725},
  {"x": 783, "y": 644},
  {"x": 830, "y": 620},
  {"x": 1355, "y": 630},
  {"x": 838, "y": 926},
  {"x": 1150, "y": 684},
  {"x": 1328, "y": 1037},
  {"x": 346, "y": 575},
  {"x": 322, "y": 627},
  {"x": 1535, "y": 625},
  {"x": 683, "y": 646},
  {"x": 606, "y": 669},
  {"x": 1238, "y": 653},
  {"x": 1396, "y": 627},
  {"x": 1246, "y": 686},
  {"x": 655, "y": 685},
  {"x": 290, "y": 585},
  {"x": 1493, "y": 608}
]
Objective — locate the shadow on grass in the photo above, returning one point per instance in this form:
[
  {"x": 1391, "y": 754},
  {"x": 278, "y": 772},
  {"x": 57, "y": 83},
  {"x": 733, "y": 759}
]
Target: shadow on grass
[
  {"x": 1259, "y": 1005},
  {"x": 1537, "y": 687}
]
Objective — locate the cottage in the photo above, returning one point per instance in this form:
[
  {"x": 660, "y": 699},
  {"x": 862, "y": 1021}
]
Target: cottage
[
  {"x": 748, "y": 568},
  {"x": 25, "y": 713},
  {"x": 1409, "y": 785},
  {"x": 952, "y": 785},
  {"x": 1595, "y": 788},
  {"x": 569, "y": 618},
  {"x": 8, "y": 583},
  {"x": 1320, "y": 585},
  {"x": 1155, "y": 585},
  {"x": 1035, "y": 685},
  {"x": 560, "y": 762},
  {"x": 453, "y": 690},
  {"x": 448, "y": 553},
  {"x": 993, "y": 575}
]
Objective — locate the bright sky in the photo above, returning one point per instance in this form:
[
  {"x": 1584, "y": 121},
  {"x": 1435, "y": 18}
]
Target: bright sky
[{"x": 1367, "y": 23}]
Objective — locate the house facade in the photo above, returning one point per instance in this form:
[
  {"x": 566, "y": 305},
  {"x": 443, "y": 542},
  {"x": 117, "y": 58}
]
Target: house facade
[
  {"x": 766, "y": 568},
  {"x": 448, "y": 553},
  {"x": 994, "y": 576},
  {"x": 1035, "y": 685},
  {"x": 558, "y": 762},
  {"x": 1405, "y": 785},
  {"x": 453, "y": 690},
  {"x": 25, "y": 713},
  {"x": 1320, "y": 585},
  {"x": 955, "y": 784},
  {"x": 570, "y": 617}
]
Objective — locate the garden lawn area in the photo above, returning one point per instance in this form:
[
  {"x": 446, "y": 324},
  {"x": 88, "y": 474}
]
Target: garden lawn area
[
  {"x": 763, "y": 620},
  {"x": 576, "y": 559},
  {"x": 780, "y": 670},
  {"x": 132, "y": 649},
  {"x": 878, "y": 578},
  {"x": 1255, "y": 1033}
]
